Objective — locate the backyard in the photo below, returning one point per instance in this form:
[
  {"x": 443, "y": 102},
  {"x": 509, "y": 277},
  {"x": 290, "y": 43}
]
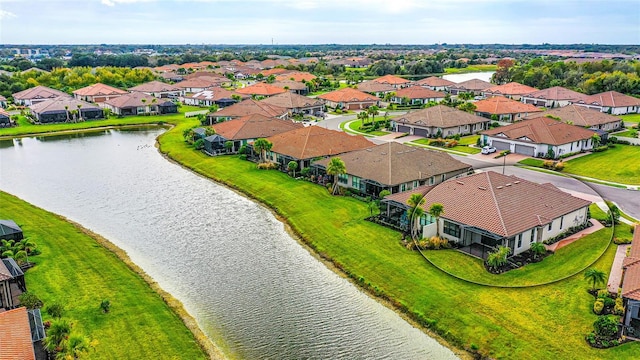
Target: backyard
[
  {"x": 631, "y": 119},
  {"x": 619, "y": 164},
  {"x": 463, "y": 144}
]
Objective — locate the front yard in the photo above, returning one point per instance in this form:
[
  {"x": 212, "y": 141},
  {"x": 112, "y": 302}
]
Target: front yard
[
  {"x": 631, "y": 119},
  {"x": 619, "y": 164},
  {"x": 354, "y": 127},
  {"x": 463, "y": 144}
]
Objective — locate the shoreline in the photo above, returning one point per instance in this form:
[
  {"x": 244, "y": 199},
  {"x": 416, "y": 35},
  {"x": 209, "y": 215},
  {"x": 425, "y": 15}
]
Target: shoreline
[{"x": 86, "y": 130}]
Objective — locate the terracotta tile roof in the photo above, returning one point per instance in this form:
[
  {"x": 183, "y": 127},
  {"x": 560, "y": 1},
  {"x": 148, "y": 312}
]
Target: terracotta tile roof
[
  {"x": 472, "y": 85},
  {"x": 58, "y": 104},
  {"x": 133, "y": 99},
  {"x": 348, "y": 95},
  {"x": 494, "y": 202},
  {"x": 164, "y": 68},
  {"x": 375, "y": 87},
  {"x": 215, "y": 93},
  {"x": 580, "y": 116},
  {"x": 248, "y": 107},
  {"x": 290, "y": 101},
  {"x": 501, "y": 105},
  {"x": 608, "y": 99},
  {"x": 439, "y": 116},
  {"x": 155, "y": 86},
  {"x": 39, "y": 92},
  {"x": 275, "y": 71},
  {"x": 542, "y": 130},
  {"x": 262, "y": 89},
  {"x": 631, "y": 266},
  {"x": 315, "y": 141},
  {"x": 99, "y": 89},
  {"x": 296, "y": 75},
  {"x": 205, "y": 73},
  {"x": 512, "y": 88},
  {"x": 254, "y": 126},
  {"x": 291, "y": 85},
  {"x": 556, "y": 93},
  {"x": 4, "y": 113},
  {"x": 199, "y": 82},
  {"x": 419, "y": 92},
  {"x": 434, "y": 81},
  {"x": 391, "y": 79},
  {"x": 393, "y": 163},
  {"x": 15, "y": 335}
]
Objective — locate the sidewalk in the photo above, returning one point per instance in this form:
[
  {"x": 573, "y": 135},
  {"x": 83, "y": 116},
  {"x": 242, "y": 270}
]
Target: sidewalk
[
  {"x": 615, "y": 275},
  {"x": 577, "y": 236}
]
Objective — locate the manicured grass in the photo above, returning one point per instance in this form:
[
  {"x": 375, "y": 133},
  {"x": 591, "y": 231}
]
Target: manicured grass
[
  {"x": 355, "y": 126},
  {"x": 533, "y": 323},
  {"x": 565, "y": 262},
  {"x": 74, "y": 270},
  {"x": 626, "y": 133},
  {"x": 461, "y": 148},
  {"x": 472, "y": 68},
  {"x": 619, "y": 164},
  {"x": 597, "y": 213},
  {"x": 531, "y": 162},
  {"x": 469, "y": 140},
  {"x": 631, "y": 119}
]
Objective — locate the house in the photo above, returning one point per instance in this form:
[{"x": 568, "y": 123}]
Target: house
[
  {"x": 248, "y": 107},
  {"x": 552, "y": 97},
  {"x": 37, "y": 94},
  {"x": 98, "y": 93},
  {"x": 439, "y": 121},
  {"x": 12, "y": 283},
  {"x": 395, "y": 81},
  {"x": 611, "y": 102},
  {"x": 171, "y": 76},
  {"x": 296, "y": 104},
  {"x": 308, "y": 143},
  {"x": 512, "y": 90},
  {"x": 198, "y": 84},
  {"x": 213, "y": 96},
  {"x": 5, "y": 118},
  {"x": 274, "y": 71},
  {"x": 158, "y": 89},
  {"x": 9, "y": 230},
  {"x": 475, "y": 86},
  {"x": 3, "y": 102},
  {"x": 376, "y": 88},
  {"x": 140, "y": 103},
  {"x": 489, "y": 209},
  {"x": 631, "y": 288},
  {"x": 349, "y": 99},
  {"x": 63, "y": 109},
  {"x": 585, "y": 117},
  {"x": 261, "y": 89},
  {"x": 298, "y": 76},
  {"x": 435, "y": 83},
  {"x": 504, "y": 109},
  {"x": 417, "y": 95},
  {"x": 540, "y": 137},
  {"x": 21, "y": 334},
  {"x": 293, "y": 86},
  {"x": 394, "y": 167},
  {"x": 246, "y": 129}
]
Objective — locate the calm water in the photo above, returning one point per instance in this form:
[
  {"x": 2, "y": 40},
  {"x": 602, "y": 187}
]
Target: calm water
[
  {"x": 458, "y": 78},
  {"x": 255, "y": 291}
]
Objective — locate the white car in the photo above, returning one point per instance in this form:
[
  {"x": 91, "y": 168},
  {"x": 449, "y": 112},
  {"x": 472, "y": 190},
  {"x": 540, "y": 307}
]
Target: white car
[{"x": 488, "y": 150}]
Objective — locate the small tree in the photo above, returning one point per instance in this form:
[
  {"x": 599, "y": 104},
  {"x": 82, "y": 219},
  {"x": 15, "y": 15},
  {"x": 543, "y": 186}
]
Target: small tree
[
  {"x": 228, "y": 145},
  {"x": 105, "y": 306},
  {"x": 384, "y": 193},
  {"x": 262, "y": 146},
  {"x": 595, "y": 138},
  {"x": 436, "y": 210},
  {"x": 55, "y": 310},
  {"x": 373, "y": 206},
  {"x": 614, "y": 213},
  {"x": 538, "y": 249},
  {"x": 415, "y": 213},
  {"x": 498, "y": 258},
  {"x": 292, "y": 166},
  {"x": 56, "y": 335},
  {"x": 606, "y": 326},
  {"x": 30, "y": 300},
  {"x": 335, "y": 168},
  {"x": 595, "y": 276},
  {"x": 373, "y": 111}
]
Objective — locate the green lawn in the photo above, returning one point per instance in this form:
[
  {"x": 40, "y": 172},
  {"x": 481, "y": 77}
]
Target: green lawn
[
  {"x": 355, "y": 127},
  {"x": 626, "y": 133},
  {"x": 472, "y": 68},
  {"x": 565, "y": 262},
  {"x": 619, "y": 164},
  {"x": 597, "y": 213},
  {"x": 531, "y": 162},
  {"x": 460, "y": 148},
  {"x": 631, "y": 119},
  {"x": 533, "y": 323},
  {"x": 76, "y": 271}
]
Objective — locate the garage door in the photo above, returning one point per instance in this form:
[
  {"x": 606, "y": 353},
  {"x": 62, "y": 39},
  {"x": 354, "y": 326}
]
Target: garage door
[
  {"x": 501, "y": 145},
  {"x": 421, "y": 132},
  {"x": 404, "y": 129},
  {"x": 525, "y": 150}
]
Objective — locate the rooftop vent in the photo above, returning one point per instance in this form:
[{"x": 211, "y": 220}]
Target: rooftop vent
[
  {"x": 499, "y": 187},
  {"x": 460, "y": 182},
  {"x": 508, "y": 184},
  {"x": 482, "y": 188},
  {"x": 517, "y": 182}
]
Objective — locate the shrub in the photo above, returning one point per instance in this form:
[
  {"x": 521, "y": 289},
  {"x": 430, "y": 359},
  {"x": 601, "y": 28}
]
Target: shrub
[
  {"x": 450, "y": 144},
  {"x": 603, "y": 294},
  {"x": 598, "y": 306},
  {"x": 600, "y": 148},
  {"x": 606, "y": 326},
  {"x": 243, "y": 157},
  {"x": 608, "y": 303},
  {"x": 105, "y": 306},
  {"x": 199, "y": 144},
  {"x": 559, "y": 166},
  {"x": 548, "y": 164},
  {"x": 55, "y": 310},
  {"x": 437, "y": 142},
  {"x": 620, "y": 241},
  {"x": 267, "y": 166},
  {"x": 30, "y": 300},
  {"x": 305, "y": 172},
  {"x": 618, "y": 309}
]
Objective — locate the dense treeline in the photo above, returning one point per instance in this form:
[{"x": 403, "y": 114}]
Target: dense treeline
[
  {"x": 384, "y": 67},
  {"x": 588, "y": 77}
]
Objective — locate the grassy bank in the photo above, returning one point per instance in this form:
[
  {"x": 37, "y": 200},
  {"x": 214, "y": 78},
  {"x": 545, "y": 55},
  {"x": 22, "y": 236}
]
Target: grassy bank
[
  {"x": 76, "y": 271},
  {"x": 618, "y": 164},
  {"x": 533, "y": 323},
  {"x": 471, "y": 68}
]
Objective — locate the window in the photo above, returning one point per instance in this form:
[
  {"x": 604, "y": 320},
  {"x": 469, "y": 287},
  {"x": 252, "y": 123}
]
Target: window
[
  {"x": 403, "y": 187},
  {"x": 451, "y": 229},
  {"x": 415, "y": 184},
  {"x": 444, "y": 176},
  {"x": 355, "y": 181},
  {"x": 343, "y": 178},
  {"x": 520, "y": 240},
  {"x": 432, "y": 180},
  {"x": 561, "y": 221},
  {"x": 533, "y": 235},
  {"x": 550, "y": 226}
]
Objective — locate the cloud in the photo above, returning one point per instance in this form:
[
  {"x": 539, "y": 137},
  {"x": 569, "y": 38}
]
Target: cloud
[
  {"x": 107, "y": 2},
  {"x": 114, "y": 2},
  {"x": 4, "y": 14}
]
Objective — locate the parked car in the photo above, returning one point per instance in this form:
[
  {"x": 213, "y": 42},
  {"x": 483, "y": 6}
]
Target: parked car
[{"x": 488, "y": 150}]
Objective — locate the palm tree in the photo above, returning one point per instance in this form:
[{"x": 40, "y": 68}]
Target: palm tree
[
  {"x": 79, "y": 112},
  {"x": 75, "y": 346},
  {"x": 292, "y": 166},
  {"x": 262, "y": 146},
  {"x": 57, "y": 333},
  {"x": 336, "y": 167},
  {"x": 595, "y": 276},
  {"x": 66, "y": 109},
  {"x": 537, "y": 249},
  {"x": 415, "y": 213},
  {"x": 362, "y": 115},
  {"x": 435, "y": 210},
  {"x": 373, "y": 111}
]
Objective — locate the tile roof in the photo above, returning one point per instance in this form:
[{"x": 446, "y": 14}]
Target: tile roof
[
  {"x": 199, "y": 82},
  {"x": 253, "y": 127},
  {"x": 274, "y": 72},
  {"x": 631, "y": 266},
  {"x": 99, "y": 89},
  {"x": 15, "y": 335},
  {"x": 419, "y": 92},
  {"x": 39, "y": 92},
  {"x": 439, "y": 116},
  {"x": 609, "y": 99},
  {"x": 262, "y": 89},
  {"x": 296, "y": 75},
  {"x": 315, "y": 141},
  {"x": 494, "y": 202},
  {"x": 291, "y": 85},
  {"x": 580, "y": 116},
  {"x": 4, "y": 113},
  {"x": 215, "y": 93},
  {"x": 290, "y": 101},
  {"x": 58, "y": 104},
  {"x": 155, "y": 86},
  {"x": 501, "y": 105},
  {"x": 556, "y": 93},
  {"x": 208, "y": 74},
  {"x": 347, "y": 95},
  {"x": 472, "y": 85},
  {"x": 512, "y": 88},
  {"x": 393, "y": 163},
  {"x": 391, "y": 79},
  {"x": 375, "y": 87},
  {"x": 133, "y": 99},
  {"x": 248, "y": 107},
  {"x": 542, "y": 130},
  {"x": 434, "y": 81}
]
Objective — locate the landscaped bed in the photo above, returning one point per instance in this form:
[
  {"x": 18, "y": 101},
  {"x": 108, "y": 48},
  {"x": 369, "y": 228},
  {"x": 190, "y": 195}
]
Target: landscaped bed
[
  {"x": 460, "y": 147},
  {"x": 618, "y": 164},
  {"x": 355, "y": 126}
]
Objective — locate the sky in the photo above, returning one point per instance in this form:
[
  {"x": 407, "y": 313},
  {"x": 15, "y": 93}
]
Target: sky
[{"x": 319, "y": 21}]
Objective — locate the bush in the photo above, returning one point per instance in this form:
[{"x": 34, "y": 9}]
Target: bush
[
  {"x": 600, "y": 148},
  {"x": 30, "y": 300},
  {"x": 437, "y": 142},
  {"x": 105, "y": 306},
  {"x": 606, "y": 326},
  {"x": 267, "y": 166},
  {"x": 559, "y": 166},
  {"x": 548, "y": 164},
  {"x": 243, "y": 157},
  {"x": 55, "y": 310},
  {"x": 598, "y": 306},
  {"x": 618, "y": 309},
  {"x": 305, "y": 172},
  {"x": 620, "y": 241},
  {"x": 603, "y": 294},
  {"x": 199, "y": 144},
  {"x": 450, "y": 144}
]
